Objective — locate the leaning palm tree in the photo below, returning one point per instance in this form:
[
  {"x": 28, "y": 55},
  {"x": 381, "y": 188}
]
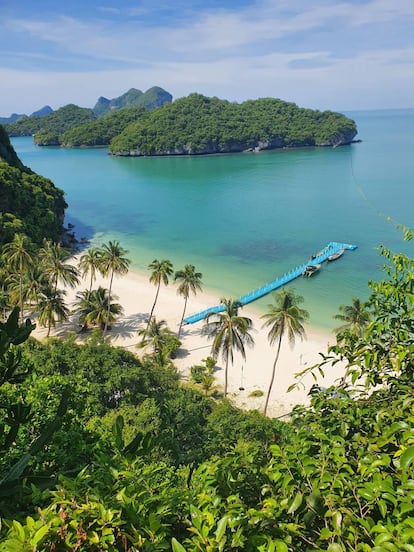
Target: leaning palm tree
[
  {"x": 53, "y": 257},
  {"x": 18, "y": 256},
  {"x": 112, "y": 260},
  {"x": 51, "y": 307},
  {"x": 229, "y": 332},
  {"x": 161, "y": 270},
  {"x": 284, "y": 316},
  {"x": 92, "y": 307},
  {"x": 89, "y": 264},
  {"x": 355, "y": 316},
  {"x": 190, "y": 281}
]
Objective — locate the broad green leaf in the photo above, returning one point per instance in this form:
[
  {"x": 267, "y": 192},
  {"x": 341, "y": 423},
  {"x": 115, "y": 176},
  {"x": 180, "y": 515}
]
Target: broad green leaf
[
  {"x": 176, "y": 546},
  {"x": 38, "y": 536},
  {"x": 297, "y": 501},
  {"x": 407, "y": 458},
  {"x": 221, "y": 528}
]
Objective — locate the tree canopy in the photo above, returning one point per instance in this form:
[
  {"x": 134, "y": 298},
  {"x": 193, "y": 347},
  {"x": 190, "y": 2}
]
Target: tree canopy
[
  {"x": 29, "y": 203},
  {"x": 197, "y": 124}
]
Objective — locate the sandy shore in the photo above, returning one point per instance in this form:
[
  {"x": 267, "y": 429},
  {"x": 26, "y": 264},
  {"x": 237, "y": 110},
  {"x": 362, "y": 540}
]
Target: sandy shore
[{"x": 136, "y": 294}]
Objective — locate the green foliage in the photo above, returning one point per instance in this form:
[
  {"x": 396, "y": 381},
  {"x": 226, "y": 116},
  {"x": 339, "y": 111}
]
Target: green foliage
[
  {"x": 29, "y": 203},
  {"x": 154, "y": 97},
  {"x": 100, "y": 132},
  {"x": 190, "y": 473},
  {"x": 55, "y": 123},
  {"x": 197, "y": 124}
]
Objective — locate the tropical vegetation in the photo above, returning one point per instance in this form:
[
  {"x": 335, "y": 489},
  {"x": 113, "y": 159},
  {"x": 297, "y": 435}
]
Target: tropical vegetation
[
  {"x": 72, "y": 125},
  {"x": 230, "y": 332},
  {"x": 29, "y": 203},
  {"x": 102, "y": 448},
  {"x": 197, "y": 124},
  {"x": 135, "y": 460}
]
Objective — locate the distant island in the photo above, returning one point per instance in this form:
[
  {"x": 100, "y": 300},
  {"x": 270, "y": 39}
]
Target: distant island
[
  {"x": 197, "y": 125},
  {"x": 146, "y": 124},
  {"x": 48, "y": 126}
]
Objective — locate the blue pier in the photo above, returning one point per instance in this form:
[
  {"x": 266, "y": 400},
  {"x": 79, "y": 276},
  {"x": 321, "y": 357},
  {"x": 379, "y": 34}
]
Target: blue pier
[{"x": 332, "y": 247}]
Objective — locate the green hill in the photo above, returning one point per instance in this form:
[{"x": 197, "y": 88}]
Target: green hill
[
  {"x": 29, "y": 203},
  {"x": 151, "y": 99},
  {"x": 55, "y": 123},
  {"x": 99, "y": 132},
  {"x": 199, "y": 125}
]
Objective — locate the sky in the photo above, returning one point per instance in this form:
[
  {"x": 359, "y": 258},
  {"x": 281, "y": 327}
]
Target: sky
[{"x": 321, "y": 54}]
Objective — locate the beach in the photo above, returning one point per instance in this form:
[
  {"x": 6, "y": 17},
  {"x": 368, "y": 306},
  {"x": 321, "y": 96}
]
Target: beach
[{"x": 136, "y": 295}]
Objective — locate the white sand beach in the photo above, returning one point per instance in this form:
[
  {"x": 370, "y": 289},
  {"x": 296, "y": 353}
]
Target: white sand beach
[{"x": 136, "y": 295}]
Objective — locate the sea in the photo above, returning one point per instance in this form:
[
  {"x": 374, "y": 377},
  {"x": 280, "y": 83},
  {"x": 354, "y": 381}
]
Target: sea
[{"x": 245, "y": 219}]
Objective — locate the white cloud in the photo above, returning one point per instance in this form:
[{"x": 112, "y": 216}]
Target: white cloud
[{"x": 272, "y": 48}]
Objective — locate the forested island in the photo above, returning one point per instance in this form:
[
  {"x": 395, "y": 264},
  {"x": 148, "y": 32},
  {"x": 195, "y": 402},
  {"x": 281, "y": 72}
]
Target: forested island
[
  {"x": 137, "y": 124},
  {"x": 201, "y": 125},
  {"x": 104, "y": 448},
  {"x": 48, "y": 127}
]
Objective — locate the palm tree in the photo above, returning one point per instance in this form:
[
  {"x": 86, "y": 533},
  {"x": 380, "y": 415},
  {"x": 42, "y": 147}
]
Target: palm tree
[
  {"x": 92, "y": 307},
  {"x": 112, "y": 261},
  {"x": 89, "y": 264},
  {"x": 355, "y": 316},
  {"x": 161, "y": 270},
  {"x": 190, "y": 281},
  {"x": 161, "y": 339},
  {"x": 51, "y": 307},
  {"x": 230, "y": 332},
  {"x": 53, "y": 257},
  {"x": 284, "y": 316},
  {"x": 18, "y": 256}
]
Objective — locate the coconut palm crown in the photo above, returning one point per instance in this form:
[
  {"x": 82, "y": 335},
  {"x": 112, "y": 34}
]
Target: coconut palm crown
[
  {"x": 283, "y": 317},
  {"x": 230, "y": 332},
  {"x": 189, "y": 282}
]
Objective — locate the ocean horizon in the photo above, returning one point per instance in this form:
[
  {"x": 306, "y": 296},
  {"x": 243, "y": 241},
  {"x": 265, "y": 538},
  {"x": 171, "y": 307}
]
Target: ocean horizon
[{"x": 246, "y": 219}]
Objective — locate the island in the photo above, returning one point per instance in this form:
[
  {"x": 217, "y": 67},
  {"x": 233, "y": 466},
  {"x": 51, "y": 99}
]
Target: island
[{"x": 197, "y": 125}]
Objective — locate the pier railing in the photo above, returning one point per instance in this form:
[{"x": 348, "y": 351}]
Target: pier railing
[{"x": 330, "y": 249}]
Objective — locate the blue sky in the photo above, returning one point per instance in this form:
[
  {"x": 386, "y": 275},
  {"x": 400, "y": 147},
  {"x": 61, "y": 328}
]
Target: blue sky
[{"x": 323, "y": 54}]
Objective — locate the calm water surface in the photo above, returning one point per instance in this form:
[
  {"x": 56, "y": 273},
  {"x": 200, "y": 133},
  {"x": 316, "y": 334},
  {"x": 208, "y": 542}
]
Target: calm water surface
[{"x": 245, "y": 219}]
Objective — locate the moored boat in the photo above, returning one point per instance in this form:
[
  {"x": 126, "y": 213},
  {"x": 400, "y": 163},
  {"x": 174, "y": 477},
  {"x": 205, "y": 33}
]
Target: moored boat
[
  {"x": 336, "y": 255},
  {"x": 310, "y": 270}
]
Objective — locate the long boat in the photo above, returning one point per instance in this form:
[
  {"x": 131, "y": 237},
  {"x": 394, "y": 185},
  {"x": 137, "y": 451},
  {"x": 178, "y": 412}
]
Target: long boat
[{"x": 336, "y": 255}]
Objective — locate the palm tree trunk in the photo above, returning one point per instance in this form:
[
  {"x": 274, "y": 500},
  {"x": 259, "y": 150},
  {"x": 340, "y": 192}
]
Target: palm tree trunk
[
  {"x": 21, "y": 294},
  {"x": 226, "y": 377},
  {"x": 272, "y": 379},
  {"x": 182, "y": 318},
  {"x": 108, "y": 311},
  {"x": 152, "y": 310}
]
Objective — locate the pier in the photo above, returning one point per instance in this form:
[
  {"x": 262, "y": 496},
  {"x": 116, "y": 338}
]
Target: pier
[{"x": 332, "y": 247}]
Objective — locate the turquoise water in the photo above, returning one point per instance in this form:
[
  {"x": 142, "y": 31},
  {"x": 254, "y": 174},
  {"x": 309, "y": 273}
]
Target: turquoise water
[{"x": 245, "y": 219}]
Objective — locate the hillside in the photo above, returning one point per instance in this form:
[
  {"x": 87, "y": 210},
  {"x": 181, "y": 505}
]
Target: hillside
[
  {"x": 48, "y": 125},
  {"x": 151, "y": 99},
  {"x": 99, "y": 132},
  {"x": 29, "y": 203},
  {"x": 200, "y": 125},
  {"x": 55, "y": 123}
]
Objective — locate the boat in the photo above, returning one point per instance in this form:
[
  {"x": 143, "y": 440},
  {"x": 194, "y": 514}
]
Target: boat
[
  {"x": 336, "y": 255},
  {"x": 310, "y": 270}
]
